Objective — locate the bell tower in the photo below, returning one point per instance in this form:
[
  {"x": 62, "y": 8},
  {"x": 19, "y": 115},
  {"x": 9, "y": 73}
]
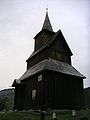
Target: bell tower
[{"x": 45, "y": 34}]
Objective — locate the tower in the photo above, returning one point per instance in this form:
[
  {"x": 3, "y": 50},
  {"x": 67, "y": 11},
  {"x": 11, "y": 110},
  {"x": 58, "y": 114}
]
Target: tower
[{"x": 50, "y": 81}]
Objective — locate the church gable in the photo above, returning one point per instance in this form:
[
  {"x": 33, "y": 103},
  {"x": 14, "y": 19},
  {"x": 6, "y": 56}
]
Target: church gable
[
  {"x": 59, "y": 44},
  {"x": 59, "y": 48}
]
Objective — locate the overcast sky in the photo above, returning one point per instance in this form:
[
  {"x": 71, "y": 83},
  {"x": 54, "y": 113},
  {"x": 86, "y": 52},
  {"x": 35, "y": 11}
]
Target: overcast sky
[{"x": 21, "y": 20}]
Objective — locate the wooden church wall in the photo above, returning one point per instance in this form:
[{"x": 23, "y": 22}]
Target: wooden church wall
[
  {"x": 19, "y": 97},
  {"x": 63, "y": 91},
  {"x": 57, "y": 52},
  {"x": 54, "y": 90},
  {"x": 43, "y": 97},
  {"x": 48, "y": 90},
  {"x": 42, "y": 39},
  {"x": 30, "y": 85},
  {"x": 33, "y": 85},
  {"x": 37, "y": 58}
]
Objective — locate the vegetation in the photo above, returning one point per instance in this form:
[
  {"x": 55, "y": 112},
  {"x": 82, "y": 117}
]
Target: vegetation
[
  {"x": 64, "y": 115},
  {"x": 6, "y": 99},
  {"x": 6, "y": 104}
]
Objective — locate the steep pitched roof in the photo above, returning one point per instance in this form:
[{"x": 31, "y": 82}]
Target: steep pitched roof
[
  {"x": 53, "y": 65},
  {"x": 49, "y": 43},
  {"x": 47, "y": 25}
]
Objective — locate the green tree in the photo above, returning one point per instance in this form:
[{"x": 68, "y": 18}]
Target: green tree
[{"x": 6, "y": 103}]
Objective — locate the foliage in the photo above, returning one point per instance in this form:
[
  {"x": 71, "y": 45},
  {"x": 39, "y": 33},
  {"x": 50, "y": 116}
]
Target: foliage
[
  {"x": 6, "y": 104},
  {"x": 6, "y": 99}
]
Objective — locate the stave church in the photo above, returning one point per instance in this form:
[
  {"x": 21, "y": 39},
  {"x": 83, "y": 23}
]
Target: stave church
[{"x": 50, "y": 81}]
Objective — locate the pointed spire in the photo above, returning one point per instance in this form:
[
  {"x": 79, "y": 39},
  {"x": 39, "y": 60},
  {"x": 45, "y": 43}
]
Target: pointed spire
[{"x": 47, "y": 24}]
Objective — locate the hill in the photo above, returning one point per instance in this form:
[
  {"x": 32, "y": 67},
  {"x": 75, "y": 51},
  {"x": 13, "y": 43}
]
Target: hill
[
  {"x": 6, "y": 93},
  {"x": 6, "y": 99}
]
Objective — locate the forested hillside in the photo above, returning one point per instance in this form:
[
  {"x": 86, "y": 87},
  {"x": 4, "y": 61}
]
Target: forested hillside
[{"x": 6, "y": 99}]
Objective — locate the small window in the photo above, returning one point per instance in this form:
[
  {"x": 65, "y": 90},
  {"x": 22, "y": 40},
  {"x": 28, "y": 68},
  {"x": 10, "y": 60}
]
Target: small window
[
  {"x": 33, "y": 94},
  {"x": 39, "y": 78}
]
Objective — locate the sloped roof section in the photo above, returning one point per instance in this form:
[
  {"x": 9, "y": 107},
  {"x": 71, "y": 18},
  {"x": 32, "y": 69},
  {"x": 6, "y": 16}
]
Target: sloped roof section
[
  {"x": 47, "y": 25},
  {"x": 49, "y": 43},
  {"x": 53, "y": 65},
  {"x": 16, "y": 81}
]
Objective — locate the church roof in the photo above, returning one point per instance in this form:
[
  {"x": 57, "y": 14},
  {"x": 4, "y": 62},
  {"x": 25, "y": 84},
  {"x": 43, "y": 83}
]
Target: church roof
[
  {"x": 49, "y": 43},
  {"x": 47, "y": 25},
  {"x": 53, "y": 65}
]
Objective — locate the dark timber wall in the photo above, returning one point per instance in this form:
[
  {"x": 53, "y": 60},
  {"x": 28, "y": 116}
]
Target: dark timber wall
[{"x": 55, "y": 91}]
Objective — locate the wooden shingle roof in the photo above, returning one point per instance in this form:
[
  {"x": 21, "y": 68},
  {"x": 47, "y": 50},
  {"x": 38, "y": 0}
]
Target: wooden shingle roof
[
  {"x": 53, "y": 65},
  {"x": 49, "y": 42}
]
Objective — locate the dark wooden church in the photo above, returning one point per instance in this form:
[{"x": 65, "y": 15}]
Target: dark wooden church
[{"x": 50, "y": 81}]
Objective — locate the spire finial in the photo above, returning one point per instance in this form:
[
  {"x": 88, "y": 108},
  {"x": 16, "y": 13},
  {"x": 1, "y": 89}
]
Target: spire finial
[
  {"x": 47, "y": 24},
  {"x": 46, "y": 9}
]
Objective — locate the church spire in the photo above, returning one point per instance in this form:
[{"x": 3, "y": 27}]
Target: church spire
[{"x": 47, "y": 24}]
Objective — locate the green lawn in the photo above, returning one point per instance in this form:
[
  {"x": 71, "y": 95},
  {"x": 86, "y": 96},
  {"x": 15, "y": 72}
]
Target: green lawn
[{"x": 36, "y": 116}]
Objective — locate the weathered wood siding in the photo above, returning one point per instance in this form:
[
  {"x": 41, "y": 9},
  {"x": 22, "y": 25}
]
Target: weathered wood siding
[
  {"x": 63, "y": 91},
  {"x": 59, "y": 50},
  {"x": 42, "y": 39},
  {"x": 55, "y": 91},
  {"x": 37, "y": 58},
  {"x": 19, "y": 97}
]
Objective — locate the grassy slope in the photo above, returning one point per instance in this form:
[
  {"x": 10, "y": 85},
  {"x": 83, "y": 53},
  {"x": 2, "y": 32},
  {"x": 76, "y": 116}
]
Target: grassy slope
[{"x": 36, "y": 116}]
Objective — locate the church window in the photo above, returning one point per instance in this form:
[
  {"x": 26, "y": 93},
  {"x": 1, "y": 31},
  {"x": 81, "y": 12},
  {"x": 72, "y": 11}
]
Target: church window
[
  {"x": 39, "y": 78},
  {"x": 33, "y": 94}
]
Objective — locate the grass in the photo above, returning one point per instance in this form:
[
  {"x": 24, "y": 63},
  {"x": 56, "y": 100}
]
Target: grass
[
  {"x": 18, "y": 116},
  {"x": 65, "y": 115}
]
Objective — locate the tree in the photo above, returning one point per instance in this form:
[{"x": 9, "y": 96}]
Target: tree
[{"x": 6, "y": 104}]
